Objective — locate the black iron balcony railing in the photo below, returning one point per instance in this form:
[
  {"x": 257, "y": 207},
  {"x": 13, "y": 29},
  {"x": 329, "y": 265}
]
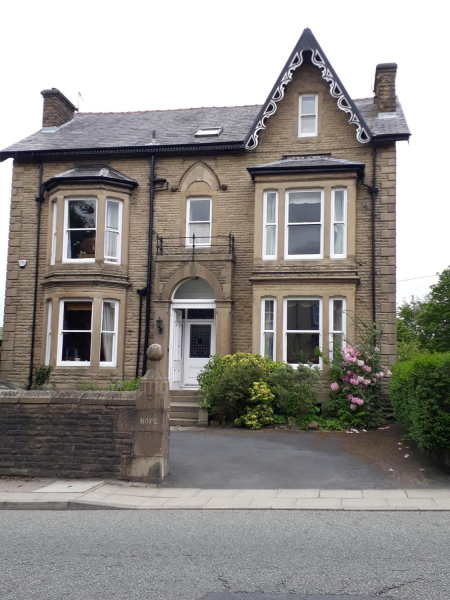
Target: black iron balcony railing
[{"x": 172, "y": 245}]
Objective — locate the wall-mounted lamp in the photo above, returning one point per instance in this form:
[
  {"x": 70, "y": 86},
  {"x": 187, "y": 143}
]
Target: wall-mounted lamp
[{"x": 159, "y": 325}]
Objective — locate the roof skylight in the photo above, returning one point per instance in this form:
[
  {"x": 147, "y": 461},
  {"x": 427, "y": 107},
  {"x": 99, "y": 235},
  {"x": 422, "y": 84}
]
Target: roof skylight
[{"x": 209, "y": 131}]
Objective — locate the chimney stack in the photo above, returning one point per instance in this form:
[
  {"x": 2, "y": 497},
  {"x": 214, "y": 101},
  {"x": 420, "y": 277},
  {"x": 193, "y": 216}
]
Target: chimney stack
[
  {"x": 57, "y": 108},
  {"x": 385, "y": 97}
]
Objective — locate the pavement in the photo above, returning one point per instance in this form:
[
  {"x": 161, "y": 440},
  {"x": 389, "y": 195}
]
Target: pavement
[
  {"x": 41, "y": 494},
  {"x": 175, "y": 555}
]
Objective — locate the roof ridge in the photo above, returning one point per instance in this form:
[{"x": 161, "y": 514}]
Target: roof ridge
[{"x": 134, "y": 112}]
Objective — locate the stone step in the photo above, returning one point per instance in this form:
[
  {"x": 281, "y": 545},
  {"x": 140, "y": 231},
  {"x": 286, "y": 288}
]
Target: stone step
[
  {"x": 186, "y": 406},
  {"x": 183, "y": 422},
  {"x": 184, "y": 392}
]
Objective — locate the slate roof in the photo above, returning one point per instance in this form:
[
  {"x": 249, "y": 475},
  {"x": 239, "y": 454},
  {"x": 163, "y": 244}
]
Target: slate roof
[
  {"x": 307, "y": 164},
  {"x": 389, "y": 124},
  {"x": 91, "y": 174},
  {"x": 175, "y": 129},
  {"x": 134, "y": 129}
]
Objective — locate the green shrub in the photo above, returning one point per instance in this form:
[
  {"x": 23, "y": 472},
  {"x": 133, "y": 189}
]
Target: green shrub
[
  {"x": 227, "y": 387},
  {"x": 41, "y": 377},
  {"x": 129, "y": 385},
  {"x": 420, "y": 395},
  {"x": 259, "y": 411}
]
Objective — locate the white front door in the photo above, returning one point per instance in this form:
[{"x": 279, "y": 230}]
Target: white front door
[
  {"x": 177, "y": 349},
  {"x": 200, "y": 344}
]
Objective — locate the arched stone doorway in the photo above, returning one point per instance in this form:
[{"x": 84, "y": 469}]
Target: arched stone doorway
[{"x": 193, "y": 332}]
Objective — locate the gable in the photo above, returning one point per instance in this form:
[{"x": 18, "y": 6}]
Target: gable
[{"x": 308, "y": 44}]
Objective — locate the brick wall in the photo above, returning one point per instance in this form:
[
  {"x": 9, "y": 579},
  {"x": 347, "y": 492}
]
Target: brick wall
[{"x": 64, "y": 434}]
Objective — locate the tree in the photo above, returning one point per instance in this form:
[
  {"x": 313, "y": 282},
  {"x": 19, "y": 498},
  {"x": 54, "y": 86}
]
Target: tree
[
  {"x": 424, "y": 324},
  {"x": 435, "y": 319},
  {"x": 410, "y": 320}
]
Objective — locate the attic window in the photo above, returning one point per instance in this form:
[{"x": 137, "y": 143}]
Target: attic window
[{"x": 209, "y": 131}]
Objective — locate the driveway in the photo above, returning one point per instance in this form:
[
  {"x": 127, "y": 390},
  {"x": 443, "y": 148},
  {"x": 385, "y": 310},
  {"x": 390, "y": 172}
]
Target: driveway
[{"x": 274, "y": 459}]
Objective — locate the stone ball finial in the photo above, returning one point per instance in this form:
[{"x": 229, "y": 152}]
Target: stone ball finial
[{"x": 155, "y": 352}]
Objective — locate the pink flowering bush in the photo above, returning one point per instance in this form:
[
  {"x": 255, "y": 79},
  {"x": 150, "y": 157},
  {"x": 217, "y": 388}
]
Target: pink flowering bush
[{"x": 357, "y": 372}]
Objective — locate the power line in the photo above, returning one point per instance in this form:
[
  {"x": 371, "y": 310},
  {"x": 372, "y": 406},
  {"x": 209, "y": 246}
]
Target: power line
[{"x": 414, "y": 278}]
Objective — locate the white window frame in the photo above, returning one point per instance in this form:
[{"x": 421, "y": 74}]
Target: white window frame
[
  {"x": 48, "y": 341},
  {"x": 72, "y": 363},
  {"x": 263, "y": 323},
  {"x": 66, "y": 229},
  {"x": 188, "y": 221},
  {"x": 288, "y": 256},
  {"x": 331, "y": 323},
  {"x": 315, "y": 114},
  {"x": 119, "y": 243},
  {"x": 286, "y": 331},
  {"x": 113, "y": 363},
  {"x": 54, "y": 231},
  {"x": 265, "y": 224},
  {"x": 334, "y": 222}
]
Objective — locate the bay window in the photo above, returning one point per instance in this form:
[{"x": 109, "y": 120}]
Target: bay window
[
  {"x": 75, "y": 332},
  {"x": 80, "y": 230},
  {"x": 113, "y": 231},
  {"x": 337, "y": 326},
  {"x": 270, "y": 219},
  {"x": 108, "y": 336},
  {"x": 198, "y": 222},
  {"x": 338, "y": 223},
  {"x": 303, "y": 330},
  {"x": 268, "y": 320},
  {"x": 307, "y": 121},
  {"x": 304, "y": 218}
]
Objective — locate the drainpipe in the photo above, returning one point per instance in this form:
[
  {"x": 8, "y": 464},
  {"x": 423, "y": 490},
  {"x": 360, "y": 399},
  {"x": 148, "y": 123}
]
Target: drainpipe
[
  {"x": 373, "y": 192},
  {"x": 149, "y": 263},
  {"x": 141, "y": 293},
  {"x": 39, "y": 201}
]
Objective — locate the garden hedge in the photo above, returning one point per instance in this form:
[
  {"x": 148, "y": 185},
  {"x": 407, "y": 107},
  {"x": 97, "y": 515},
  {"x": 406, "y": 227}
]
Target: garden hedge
[{"x": 420, "y": 395}]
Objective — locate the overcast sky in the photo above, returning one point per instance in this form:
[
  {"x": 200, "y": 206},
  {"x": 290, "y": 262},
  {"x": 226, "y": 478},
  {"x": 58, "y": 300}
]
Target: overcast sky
[{"x": 128, "y": 56}]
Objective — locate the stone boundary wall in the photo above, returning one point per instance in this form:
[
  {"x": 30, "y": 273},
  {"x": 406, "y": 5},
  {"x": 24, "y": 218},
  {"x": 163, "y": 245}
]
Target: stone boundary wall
[{"x": 65, "y": 434}]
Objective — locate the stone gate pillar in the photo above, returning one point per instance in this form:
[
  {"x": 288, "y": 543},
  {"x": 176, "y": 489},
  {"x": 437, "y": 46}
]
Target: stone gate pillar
[{"x": 150, "y": 423}]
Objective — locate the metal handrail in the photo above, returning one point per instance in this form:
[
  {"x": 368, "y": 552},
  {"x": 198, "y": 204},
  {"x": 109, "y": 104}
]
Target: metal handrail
[{"x": 191, "y": 243}]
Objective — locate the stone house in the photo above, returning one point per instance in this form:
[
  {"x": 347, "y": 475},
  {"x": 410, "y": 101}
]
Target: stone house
[{"x": 269, "y": 225}]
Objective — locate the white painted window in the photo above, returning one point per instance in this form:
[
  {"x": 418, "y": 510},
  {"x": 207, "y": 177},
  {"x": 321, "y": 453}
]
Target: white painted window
[
  {"x": 302, "y": 323},
  {"x": 75, "y": 332},
  {"x": 48, "y": 346},
  {"x": 270, "y": 222},
  {"x": 307, "y": 120},
  {"x": 54, "y": 230},
  {"x": 198, "y": 222},
  {"x": 337, "y": 325},
  {"x": 268, "y": 327},
  {"x": 113, "y": 231},
  {"x": 80, "y": 230},
  {"x": 109, "y": 331},
  {"x": 304, "y": 224},
  {"x": 338, "y": 223}
]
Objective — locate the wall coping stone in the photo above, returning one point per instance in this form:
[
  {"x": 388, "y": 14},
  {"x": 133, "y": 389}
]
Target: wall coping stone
[{"x": 66, "y": 397}]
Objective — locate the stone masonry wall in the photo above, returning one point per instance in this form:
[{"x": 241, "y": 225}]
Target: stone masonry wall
[
  {"x": 235, "y": 215},
  {"x": 64, "y": 434}
]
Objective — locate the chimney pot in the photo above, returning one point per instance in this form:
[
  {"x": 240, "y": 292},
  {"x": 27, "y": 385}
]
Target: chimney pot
[
  {"x": 57, "y": 108},
  {"x": 385, "y": 96}
]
